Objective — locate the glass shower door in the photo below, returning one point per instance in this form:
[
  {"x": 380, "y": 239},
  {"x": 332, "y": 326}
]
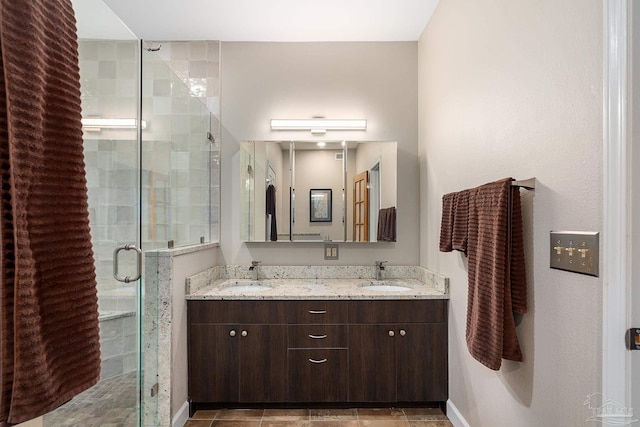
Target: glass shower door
[{"x": 110, "y": 95}]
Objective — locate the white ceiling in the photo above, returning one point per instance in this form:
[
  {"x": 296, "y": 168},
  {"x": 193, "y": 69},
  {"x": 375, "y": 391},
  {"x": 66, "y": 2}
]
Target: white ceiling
[
  {"x": 275, "y": 20},
  {"x": 94, "y": 20}
]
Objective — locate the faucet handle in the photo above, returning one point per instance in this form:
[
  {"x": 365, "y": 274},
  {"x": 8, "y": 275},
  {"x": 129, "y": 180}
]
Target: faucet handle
[
  {"x": 254, "y": 264},
  {"x": 380, "y": 264}
]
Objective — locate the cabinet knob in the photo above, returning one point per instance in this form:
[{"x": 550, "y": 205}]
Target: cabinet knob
[
  {"x": 232, "y": 333},
  {"x": 391, "y": 333},
  {"x": 403, "y": 332},
  {"x": 244, "y": 333}
]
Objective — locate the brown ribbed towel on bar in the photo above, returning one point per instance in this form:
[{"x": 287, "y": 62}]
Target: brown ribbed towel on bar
[
  {"x": 387, "y": 225},
  {"x": 446, "y": 224},
  {"x": 49, "y": 324},
  {"x": 454, "y": 231},
  {"x": 460, "y": 234},
  {"x": 497, "y": 282}
]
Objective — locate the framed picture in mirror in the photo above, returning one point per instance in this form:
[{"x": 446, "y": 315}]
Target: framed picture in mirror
[{"x": 320, "y": 205}]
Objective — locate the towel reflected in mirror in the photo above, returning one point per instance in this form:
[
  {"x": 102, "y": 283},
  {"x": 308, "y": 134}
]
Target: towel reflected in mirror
[{"x": 387, "y": 225}]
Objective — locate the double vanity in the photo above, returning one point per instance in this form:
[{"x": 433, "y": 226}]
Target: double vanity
[{"x": 317, "y": 336}]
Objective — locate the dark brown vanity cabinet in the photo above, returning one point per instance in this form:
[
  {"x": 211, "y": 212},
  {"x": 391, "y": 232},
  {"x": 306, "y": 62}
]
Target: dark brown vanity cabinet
[
  {"x": 237, "y": 351},
  {"x": 317, "y": 351},
  {"x": 397, "y": 351}
]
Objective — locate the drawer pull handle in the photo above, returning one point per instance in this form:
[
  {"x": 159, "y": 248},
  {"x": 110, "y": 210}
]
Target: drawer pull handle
[
  {"x": 317, "y": 361},
  {"x": 317, "y": 337},
  {"x": 317, "y": 311}
]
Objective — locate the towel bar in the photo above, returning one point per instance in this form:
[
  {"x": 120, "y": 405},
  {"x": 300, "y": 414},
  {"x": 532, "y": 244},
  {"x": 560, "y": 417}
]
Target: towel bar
[{"x": 529, "y": 184}]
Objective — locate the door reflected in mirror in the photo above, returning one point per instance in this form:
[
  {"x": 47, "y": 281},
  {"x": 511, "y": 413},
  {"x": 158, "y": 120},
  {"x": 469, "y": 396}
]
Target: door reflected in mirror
[{"x": 308, "y": 191}]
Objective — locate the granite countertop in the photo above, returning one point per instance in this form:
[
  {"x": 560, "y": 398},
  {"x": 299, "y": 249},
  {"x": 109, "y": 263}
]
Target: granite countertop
[{"x": 313, "y": 288}]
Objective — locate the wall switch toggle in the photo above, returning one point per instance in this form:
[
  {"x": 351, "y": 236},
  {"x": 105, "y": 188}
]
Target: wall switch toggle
[
  {"x": 576, "y": 251},
  {"x": 633, "y": 339},
  {"x": 331, "y": 251}
]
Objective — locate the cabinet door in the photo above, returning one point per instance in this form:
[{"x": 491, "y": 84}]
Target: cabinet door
[
  {"x": 421, "y": 355},
  {"x": 372, "y": 365},
  {"x": 318, "y": 375},
  {"x": 213, "y": 363},
  {"x": 263, "y": 363}
]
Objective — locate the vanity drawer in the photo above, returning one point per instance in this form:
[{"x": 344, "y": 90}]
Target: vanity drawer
[
  {"x": 317, "y": 311},
  {"x": 317, "y": 336},
  {"x": 398, "y": 311},
  {"x": 237, "y": 311},
  {"x": 318, "y": 375}
]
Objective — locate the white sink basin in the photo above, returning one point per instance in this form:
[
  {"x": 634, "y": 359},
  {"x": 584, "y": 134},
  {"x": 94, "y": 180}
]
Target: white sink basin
[
  {"x": 385, "y": 287},
  {"x": 245, "y": 286}
]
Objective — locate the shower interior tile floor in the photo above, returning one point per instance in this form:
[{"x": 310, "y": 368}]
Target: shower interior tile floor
[
  {"x": 110, "y": 403},
  {"x": 369, "y": 417}
]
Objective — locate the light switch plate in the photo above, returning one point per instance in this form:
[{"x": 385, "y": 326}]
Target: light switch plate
[
  {"x": 576, "y": 251},
  {"x": 331, "y": 251}
]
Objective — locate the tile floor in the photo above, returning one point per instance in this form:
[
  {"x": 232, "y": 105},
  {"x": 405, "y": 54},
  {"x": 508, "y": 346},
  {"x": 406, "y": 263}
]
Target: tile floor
[
  {"x": 110, "y": 403},
  {"x": 369, "y": 417}
]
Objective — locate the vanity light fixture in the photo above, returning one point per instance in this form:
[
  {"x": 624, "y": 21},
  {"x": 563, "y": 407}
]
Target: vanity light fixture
[
  {"x": 318, "y": 126},
  {"x": 321, "y": 144},
  {"x": 95, "y": 125}
]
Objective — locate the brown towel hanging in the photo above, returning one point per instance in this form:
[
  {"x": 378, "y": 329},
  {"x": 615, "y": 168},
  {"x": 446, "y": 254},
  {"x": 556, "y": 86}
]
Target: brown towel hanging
[
  {"x": 49, "y": 325},
  {"x": 387, "y": 225},
  {"x": 491, "y": 218},
  {"x": 460, "y": 234},
  {"x": 446, "y": 224}
]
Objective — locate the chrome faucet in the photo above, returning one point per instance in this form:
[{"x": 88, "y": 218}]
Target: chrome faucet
[
  {"x": 379, "y": 269},
  {"x": 254, "y": 269}
]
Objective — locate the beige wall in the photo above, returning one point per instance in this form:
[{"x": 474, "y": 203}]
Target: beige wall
[
  {"x": 514, "y": 88},
  {"x": 376, "y": 81},
  {"x": 318, "y": 169}
]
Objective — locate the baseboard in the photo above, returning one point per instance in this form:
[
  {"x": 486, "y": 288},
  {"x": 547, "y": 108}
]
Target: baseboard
[
  {"x": 455, "y": 416},
  {"x": 181, "y": 417}
]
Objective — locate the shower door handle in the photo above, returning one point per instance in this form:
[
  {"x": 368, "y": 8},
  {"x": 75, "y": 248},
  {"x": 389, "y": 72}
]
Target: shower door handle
[{"x": 116, "y": 274}]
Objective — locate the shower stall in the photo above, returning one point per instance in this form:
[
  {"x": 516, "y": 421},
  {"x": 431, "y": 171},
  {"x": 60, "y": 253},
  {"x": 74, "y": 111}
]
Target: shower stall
[{"x": 151, "y": 149}]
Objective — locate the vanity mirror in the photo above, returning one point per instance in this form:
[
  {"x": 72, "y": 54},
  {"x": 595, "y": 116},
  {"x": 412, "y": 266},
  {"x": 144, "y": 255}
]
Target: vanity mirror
[{"x": 306, "y": 191}]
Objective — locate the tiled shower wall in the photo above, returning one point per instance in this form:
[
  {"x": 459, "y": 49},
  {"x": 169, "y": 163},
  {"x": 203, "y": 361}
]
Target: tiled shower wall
[
  {"x": 180, "y": 175},
  {"x": 180, "y": 166},
  {"x": 109, "y": 79},
  {"x": 109, "y": 74},
  {"x": 189, "y": 71},
  {"x": 197, "y": 64},
  {"x": 180, "y": 178}
]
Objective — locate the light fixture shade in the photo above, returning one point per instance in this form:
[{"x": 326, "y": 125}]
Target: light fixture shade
[
  {"x": 112, "y": 123},
  {"x": 318, "y": 125}
]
